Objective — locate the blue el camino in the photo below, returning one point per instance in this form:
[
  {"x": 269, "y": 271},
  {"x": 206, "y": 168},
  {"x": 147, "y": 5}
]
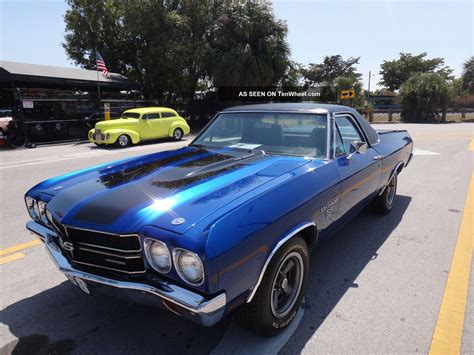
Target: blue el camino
[{"x": 227, "y": 222}]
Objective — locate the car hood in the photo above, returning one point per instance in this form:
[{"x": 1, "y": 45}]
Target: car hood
[
  {"x": 188, "y": 183},
  {"x": 116, "y": 122}
]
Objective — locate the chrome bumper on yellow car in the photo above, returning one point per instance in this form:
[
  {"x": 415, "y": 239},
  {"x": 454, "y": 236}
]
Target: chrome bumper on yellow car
[{"x": 189, "y": 304}]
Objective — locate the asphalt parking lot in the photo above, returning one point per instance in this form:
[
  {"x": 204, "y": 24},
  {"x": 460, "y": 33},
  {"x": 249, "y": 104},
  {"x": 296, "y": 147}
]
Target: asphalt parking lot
[{"x": 376, "y": 287}]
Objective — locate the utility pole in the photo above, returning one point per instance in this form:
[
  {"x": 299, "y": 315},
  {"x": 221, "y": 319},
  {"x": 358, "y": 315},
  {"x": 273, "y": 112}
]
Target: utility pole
[{"x": 368, "y": 89}]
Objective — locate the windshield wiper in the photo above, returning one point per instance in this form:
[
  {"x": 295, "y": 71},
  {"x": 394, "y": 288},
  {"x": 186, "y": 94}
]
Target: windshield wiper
[{"x": 199, "y": 146}]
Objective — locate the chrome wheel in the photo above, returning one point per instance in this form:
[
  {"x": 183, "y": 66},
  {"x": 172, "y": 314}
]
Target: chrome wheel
[
  {"x": 391, "y": 190},
  {"x": 287, "y": 285},
  {"x": 123, "y": 140},
  {"x": 177, "y": 134}
]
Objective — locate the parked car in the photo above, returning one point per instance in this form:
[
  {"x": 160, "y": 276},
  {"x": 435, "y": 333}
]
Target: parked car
[
  {"x": 5, "y": 119},
  {"x": 227, "y": 222},
  {"x": 140, "y": 124}
]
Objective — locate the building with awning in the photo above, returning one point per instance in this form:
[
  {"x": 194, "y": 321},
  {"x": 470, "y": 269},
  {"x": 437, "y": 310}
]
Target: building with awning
[
  {"x": 35, "y": 75},
  {"x": 57, "y": 103}
]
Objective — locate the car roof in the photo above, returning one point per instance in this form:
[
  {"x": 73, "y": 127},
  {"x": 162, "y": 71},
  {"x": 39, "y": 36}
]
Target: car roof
[
  {"x": 142, "y": 110},
  {"x": 315, "y": 108},
  {"x": 293, "y": 106}
]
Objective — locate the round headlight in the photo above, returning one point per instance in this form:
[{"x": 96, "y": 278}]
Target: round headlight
[
  {"x": 189, "y": 267},
  {"x": 158, "y": 255},
  {"x": 30, "y": 205},
  {"x": 107, "y": 136},
  {"x": 42, "y": 210},
  {"x": 37, "y": 210},
  {"x": 49, "y": 216}
]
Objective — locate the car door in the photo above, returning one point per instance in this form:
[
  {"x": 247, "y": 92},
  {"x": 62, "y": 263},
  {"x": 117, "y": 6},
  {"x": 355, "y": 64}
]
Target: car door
[
  {"x": 152, "y": 126},
  {"x": 359, "y": 172}
]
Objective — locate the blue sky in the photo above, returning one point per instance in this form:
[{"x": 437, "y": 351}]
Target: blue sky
[{"x": 31, "y": 31}]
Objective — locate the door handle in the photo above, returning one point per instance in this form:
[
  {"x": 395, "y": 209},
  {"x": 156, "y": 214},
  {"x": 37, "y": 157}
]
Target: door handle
[{"x": 378, "y": 157}]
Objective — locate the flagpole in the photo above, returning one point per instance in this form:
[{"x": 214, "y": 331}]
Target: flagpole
[{"x": 98, "y": 78}]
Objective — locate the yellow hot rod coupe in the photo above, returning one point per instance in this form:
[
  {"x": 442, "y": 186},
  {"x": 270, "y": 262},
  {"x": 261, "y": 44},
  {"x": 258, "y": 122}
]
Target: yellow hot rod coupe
[{"x": 140, "y": 124}]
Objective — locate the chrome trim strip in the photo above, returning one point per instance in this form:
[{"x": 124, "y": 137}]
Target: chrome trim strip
[
  {"x": 97, "y": 231},
  {"x": 360, "y": 128},
  {"x": 182, "y": 297},
  {"x": 110, "y": 254},
  {"x": 332, "y": 128},
  {"x": 278, "y": 246},
  {"x": 111, "y": 269},
  {"x": 108, "y": 248}
]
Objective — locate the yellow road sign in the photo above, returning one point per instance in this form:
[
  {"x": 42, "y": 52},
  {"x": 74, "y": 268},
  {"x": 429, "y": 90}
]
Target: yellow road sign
[{"x": 348, "y": 94}]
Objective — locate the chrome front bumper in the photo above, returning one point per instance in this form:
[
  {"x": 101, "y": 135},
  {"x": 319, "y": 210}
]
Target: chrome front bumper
[{"x": 195, "y": 306}]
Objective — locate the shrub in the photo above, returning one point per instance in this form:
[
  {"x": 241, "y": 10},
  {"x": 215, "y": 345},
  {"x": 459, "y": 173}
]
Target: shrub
[{"x": 422, "y": 96}]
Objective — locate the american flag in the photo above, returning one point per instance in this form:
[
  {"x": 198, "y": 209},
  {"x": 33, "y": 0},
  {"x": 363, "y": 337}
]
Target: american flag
[{"x": 101, "y": 64}]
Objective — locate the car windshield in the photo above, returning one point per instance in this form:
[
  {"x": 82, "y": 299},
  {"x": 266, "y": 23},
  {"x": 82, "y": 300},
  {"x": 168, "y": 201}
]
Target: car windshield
[
  {"x": 130, "y": 115},
  {"x": 296, "y": 134}
]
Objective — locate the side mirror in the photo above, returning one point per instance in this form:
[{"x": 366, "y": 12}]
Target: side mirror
[{"x": 357, "y": 147}]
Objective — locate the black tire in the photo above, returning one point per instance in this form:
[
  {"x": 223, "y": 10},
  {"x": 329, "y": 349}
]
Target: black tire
[
  {"x": 123, "y": 141},
  {"x": 264, "y": 316},
  {"x": 15, "y": 139},
  {"x": 383, "y": 203},
  {"x": 178, "y": 134}
]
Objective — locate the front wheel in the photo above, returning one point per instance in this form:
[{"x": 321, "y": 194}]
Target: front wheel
[
  {"x": 178, "y": 134},
  {"x": 383, "y": 204},
  {"x": 123, "y": 141},
  {"x": 279, "y": 296}
]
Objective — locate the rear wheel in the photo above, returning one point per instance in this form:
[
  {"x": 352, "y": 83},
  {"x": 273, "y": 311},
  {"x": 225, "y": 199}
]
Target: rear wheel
[
  {"x": 279, "y": 296},
  {"x": 383, "y": 204},
  {"x": 123, "y": 141},
  {"x": 178, "y": 134}
]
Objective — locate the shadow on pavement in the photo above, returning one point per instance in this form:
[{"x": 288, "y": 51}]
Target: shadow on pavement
[
  {"x": 62, "y": 320},
  {"x": 336, "y": 264},
  {"x": 187, "y": 139}
]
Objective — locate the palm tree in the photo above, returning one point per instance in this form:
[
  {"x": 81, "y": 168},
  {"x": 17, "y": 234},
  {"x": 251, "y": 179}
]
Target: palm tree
[{"x": 248, "y": 47}]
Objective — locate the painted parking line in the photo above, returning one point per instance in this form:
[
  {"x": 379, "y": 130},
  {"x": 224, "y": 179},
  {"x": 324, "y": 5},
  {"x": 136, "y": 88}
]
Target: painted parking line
[
  {"x": 12, "y": 257},
  {"x": 447, "y": 335},
  {"x": 471, "y": 145},
  {"x": 19, "y": 247},
  {"x": 14, "y": 253}
]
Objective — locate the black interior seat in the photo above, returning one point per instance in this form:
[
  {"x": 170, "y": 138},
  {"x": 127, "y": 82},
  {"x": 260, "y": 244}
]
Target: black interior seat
[
  {"x": 318, "y": 139},
  {"x": 263, "y": 133}
]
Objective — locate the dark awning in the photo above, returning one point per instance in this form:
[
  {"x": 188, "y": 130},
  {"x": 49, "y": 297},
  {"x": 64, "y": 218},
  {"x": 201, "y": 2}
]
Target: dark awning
[{"x": 34, "y": 75}]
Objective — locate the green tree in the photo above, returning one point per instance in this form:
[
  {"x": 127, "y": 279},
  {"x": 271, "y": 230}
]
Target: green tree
[
  {"x": 422, "y": 97},
  {"x": 248, "y": 47},
  {"x": 332, "y": 67},
  {"x": 468, "y": 75},
  {"x": 395, "y": 72},
  {"x": 161, "y": 44}
]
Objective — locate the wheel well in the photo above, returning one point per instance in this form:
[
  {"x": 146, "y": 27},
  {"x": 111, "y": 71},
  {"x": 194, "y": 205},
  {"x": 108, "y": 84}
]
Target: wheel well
[{"x": 310, "y": 236}]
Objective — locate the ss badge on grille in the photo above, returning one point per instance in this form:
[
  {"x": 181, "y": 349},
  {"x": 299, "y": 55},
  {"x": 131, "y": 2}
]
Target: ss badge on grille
[{"x": 68, "y": 246}]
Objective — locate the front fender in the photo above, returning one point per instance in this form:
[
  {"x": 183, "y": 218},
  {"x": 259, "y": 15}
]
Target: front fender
[{"x": 116, "y": 132}]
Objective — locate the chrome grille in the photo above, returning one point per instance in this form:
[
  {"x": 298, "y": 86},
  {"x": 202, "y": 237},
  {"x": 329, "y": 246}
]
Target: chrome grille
[{"x": 121, "y": 253}]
